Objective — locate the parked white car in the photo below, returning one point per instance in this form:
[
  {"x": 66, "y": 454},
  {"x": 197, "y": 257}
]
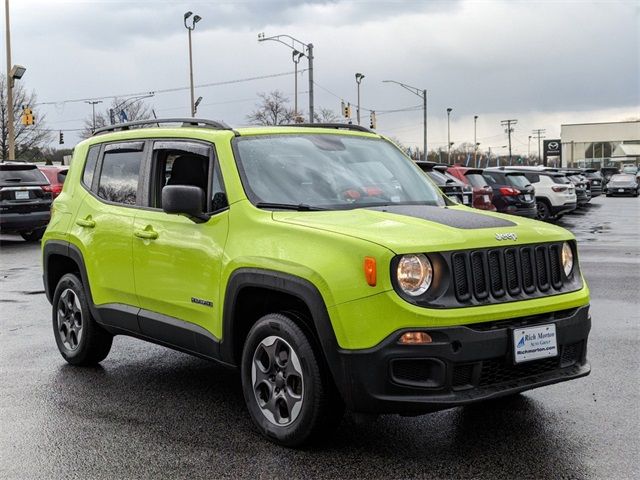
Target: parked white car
[{"x": 555, "y": 193}]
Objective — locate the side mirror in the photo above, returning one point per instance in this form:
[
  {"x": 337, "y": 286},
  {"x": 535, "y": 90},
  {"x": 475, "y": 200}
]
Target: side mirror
[{"x": 184, "y": 200}]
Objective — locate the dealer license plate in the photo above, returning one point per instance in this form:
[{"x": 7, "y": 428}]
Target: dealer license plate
[
  {"x": 534, "y": 342},
  {"x": 465, "y": 200},
  {"x": 22, "y": 194},
  {"x": 621, "y": 190},
  {"x": 527, "y": 197},
  {"x": 486, "y": 198}
]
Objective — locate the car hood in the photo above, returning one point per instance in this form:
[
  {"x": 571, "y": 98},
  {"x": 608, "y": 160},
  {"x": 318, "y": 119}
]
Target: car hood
[{"x": 421, "y": 228}]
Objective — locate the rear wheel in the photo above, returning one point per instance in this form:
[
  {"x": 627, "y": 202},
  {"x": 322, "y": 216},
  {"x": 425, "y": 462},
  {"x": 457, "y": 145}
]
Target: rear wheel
[
  {"x": 286, "y": 387},
  {"x": 33, "y": 235},
  {"x": 80, "y": 339},
  {"x": 544, "y": 211}
]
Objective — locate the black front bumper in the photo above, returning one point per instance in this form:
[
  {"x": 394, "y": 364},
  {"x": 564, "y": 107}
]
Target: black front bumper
[{"x": 463, "y": 365}]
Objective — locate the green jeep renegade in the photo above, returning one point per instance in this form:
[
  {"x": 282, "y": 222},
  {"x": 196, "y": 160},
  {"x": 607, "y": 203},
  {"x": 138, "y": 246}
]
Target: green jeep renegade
[{"x": 316, "y": 259}]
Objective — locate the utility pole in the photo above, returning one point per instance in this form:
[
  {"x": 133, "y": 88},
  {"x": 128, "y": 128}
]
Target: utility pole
[
  {"x": 359, "y": 77},
  {"x": 538, "y": 133},
  {"x": 10, "y": 126},
  {"x": 475, "y": 141},
  {"x": 291, "y": 42},
  {"x": 93, "y": 104},
  {"x": 509, "y": 131},
  {"x": 449, "y": 135}
]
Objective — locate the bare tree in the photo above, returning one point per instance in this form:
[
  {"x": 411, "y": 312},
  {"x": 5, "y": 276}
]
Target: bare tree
[
  {"x": 29, "y": 138},
  {"x": 135, "y": 110},
  {"x": 326, "y": 115},
  {"x": 273, "y": 109}
]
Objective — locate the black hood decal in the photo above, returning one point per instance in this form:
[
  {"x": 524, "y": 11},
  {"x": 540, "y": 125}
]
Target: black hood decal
[{"x": 447, "y": 216}]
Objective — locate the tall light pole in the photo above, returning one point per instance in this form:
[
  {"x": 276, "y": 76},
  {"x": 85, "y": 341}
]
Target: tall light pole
[
  {"x": 422, "y": 93},
  {"x": 13, "y": 73},
  {"x": 296, "y": 56},
  {"x": 449, "y": 135},
  {"x": 93, "y": 104},
  {"x": 359, "y": 77},
  {"x": 190, "y": 28},
  {"x": 475, "y": 140},
  {"x": 307, "y": 48}
]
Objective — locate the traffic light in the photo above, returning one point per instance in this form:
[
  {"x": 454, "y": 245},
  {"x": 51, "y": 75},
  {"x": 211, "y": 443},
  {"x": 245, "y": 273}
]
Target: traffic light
[
  {"x": 61, "y": 140},
  {"x": 372, "y": 120},
  {"x": 346, "y": 110},
  {"x": 27, "y": 117}
]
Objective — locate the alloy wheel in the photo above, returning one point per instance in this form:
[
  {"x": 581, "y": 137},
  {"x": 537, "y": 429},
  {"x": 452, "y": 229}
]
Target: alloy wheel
[
  {"x": 277, "y": 379},
  {"x": 70, "y": 322}
]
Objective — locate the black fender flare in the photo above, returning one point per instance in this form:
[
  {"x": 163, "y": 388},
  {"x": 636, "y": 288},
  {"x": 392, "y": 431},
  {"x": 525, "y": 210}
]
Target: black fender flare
[{"x": 292, "y": 285}]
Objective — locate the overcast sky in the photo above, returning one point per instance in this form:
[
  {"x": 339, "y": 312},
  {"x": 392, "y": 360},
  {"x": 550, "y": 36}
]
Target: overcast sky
[{"x": 544, "y": 63}]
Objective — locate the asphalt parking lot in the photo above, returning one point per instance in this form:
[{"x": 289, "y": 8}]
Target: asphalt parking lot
[{"x": 148, "y": 412}]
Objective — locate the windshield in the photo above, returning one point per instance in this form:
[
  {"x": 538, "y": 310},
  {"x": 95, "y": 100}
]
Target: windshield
[
  {"x": 330, "y": 172},
  {"x": 623, "y": 178},
  {"x": 630, "y": 169},
  {"x": 23, "y": 175},
  {"x": 476, "y": 179},
  {"x": 518, "y": 180}
]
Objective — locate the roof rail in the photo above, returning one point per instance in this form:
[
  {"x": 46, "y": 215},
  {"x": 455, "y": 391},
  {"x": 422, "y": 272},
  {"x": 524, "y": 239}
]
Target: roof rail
[
  {"x": 186, "y": 122},
  {"x": 339, "y": 126}
]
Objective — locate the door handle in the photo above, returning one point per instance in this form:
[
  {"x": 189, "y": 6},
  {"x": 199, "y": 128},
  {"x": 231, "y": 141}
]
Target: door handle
[
  {"x": 146, "y": 234},
  {"x": 86, "y": 222}
]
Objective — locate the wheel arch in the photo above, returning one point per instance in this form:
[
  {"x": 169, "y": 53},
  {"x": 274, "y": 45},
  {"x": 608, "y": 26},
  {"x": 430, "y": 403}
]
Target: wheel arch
[
  {"x": 59, "y": 258},
  {"x": 274, "y": 287}
]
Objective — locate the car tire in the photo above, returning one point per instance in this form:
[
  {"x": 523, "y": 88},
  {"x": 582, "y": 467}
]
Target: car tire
[
  {"x": 81, "y": 341},
  {"x": 33, "y": 235},
  {"x": 286, "y": 384},
  {"x": 544, "y": 210}
]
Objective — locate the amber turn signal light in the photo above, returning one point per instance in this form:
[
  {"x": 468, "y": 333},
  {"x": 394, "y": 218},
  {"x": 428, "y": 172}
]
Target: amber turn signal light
[
  {"x": 370, "y": 272},
  {"x": 415, "y": 338}
]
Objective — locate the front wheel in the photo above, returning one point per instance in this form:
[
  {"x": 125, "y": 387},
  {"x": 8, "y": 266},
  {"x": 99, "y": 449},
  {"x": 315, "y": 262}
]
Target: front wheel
[
  {"x": 80, "y": 339},
  {"x": 286, "y": 387}
]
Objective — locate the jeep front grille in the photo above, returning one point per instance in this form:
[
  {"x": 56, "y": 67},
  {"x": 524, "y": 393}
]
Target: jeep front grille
[{"x": 500, "y": 272}]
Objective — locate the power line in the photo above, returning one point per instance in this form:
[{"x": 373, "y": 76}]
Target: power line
[{"x": 168, "y": 90}]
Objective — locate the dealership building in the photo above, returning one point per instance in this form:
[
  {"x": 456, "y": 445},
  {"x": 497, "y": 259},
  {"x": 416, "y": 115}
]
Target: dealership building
[{"x": 596, "y": 145}]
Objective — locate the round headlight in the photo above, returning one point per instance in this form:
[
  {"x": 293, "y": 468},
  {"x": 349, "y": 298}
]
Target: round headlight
[
  {"x": 414, "y": 274},
  {"x": 567, "y": 259}
]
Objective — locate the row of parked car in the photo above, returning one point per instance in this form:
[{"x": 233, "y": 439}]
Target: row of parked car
[
  {"x": 26, "y": 193},
  {"x": 536, "y": 192}
]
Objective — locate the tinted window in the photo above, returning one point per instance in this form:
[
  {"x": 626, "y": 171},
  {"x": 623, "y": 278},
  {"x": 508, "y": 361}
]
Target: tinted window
[
  {"x": 494, "y": 178},
  {"x": 518, "y": 180},
  {"x": 22, "y": 175},
  {"x": 119, "y": 176},
  {"x": 438, "y": 177},
  {"x": 331, "y": 171},
  {"x": 90, "y": 166},
  {"x": 560, "y": 179},
  {"x": 476, "y": 179},
  {"x": 532, "y": 177}
]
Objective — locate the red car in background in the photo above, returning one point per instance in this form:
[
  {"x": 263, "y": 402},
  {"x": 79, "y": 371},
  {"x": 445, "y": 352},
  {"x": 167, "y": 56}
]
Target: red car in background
[
  {"x": 56, "y": 176},
  {"x": 482, "y": 192}
]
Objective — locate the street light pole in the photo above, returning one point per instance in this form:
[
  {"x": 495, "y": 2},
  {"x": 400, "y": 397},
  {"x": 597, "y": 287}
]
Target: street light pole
[
  {"x": 309, "y": 54},
  {"x": 422, "y": 93},
  {"x": 475, "y": 141},
  {"x": 449, "y": 135},
  {"x": 10, "y": 126},
  {"x": 296, "y": 56},
  {"x": 359, "y": 77},
  {"x": 196, "y": 19},
  {"x": 93, "y": 104}
]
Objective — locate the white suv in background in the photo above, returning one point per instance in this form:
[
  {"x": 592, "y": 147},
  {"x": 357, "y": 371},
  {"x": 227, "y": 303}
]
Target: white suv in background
[{"x": 555, "y": 193}]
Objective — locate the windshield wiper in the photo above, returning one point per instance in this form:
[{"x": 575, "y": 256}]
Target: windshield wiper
[{"x": 300, "y": 207}]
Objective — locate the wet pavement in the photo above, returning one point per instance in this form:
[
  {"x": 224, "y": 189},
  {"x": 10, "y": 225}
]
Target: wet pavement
[{"x": 148, "y": 412}]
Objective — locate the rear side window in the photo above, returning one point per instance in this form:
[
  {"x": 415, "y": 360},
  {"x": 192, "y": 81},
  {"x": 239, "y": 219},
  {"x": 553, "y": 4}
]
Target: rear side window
[
  {"x": 120, "y": 172},
  {"x": 89, "y": 166},
  {"x": 532, "y": 177},
  {"x": 22, "y": 175}
]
